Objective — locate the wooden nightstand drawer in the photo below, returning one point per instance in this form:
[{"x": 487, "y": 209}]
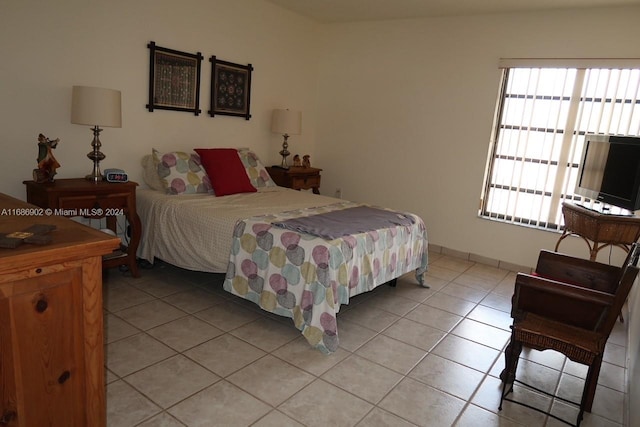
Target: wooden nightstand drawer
[
  {"x": 297, "y": 178},
  {"x": 305, "y": 182},
  {"x": 116, "y": 201}
]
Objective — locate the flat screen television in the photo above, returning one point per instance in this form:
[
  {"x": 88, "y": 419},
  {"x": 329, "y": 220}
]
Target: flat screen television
[{"x": 610, "y": 170}]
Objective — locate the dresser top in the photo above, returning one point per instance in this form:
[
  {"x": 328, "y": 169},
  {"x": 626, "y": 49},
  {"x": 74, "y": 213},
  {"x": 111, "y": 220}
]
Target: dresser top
[{"x": 70, "y": 240}]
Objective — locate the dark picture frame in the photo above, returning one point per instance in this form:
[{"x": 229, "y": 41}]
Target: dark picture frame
[
  {"x": 230, "y": 89},
  {"x": 174, "y": 79}
]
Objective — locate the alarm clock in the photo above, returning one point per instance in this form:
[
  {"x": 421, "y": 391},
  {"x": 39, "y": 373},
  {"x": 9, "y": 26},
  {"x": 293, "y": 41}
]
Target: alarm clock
[{"x": 115, "y": 175}]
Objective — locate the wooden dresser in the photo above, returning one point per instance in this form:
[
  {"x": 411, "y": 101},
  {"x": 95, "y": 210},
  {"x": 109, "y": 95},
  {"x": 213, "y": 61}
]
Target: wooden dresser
[{"x": 51, "y": 331}]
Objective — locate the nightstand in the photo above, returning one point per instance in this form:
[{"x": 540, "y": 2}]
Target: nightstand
[
  {"x": 89, "y": 199},
  {"x": 297, "y": 178}
]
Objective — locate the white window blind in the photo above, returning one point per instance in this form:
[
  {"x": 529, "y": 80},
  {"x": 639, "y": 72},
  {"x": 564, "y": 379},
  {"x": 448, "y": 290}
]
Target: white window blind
[{"x": 544, "y": 109}]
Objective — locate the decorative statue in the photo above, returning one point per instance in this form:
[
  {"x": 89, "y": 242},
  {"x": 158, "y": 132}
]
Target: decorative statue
[
  {"x": 47, "y": 163},
  {"x": 306, "y": 162},
  {"x": 296, "y": 161}
]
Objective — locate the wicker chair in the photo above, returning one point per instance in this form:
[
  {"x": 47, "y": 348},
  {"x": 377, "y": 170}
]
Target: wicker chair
[{"x": 569, "y": 305}]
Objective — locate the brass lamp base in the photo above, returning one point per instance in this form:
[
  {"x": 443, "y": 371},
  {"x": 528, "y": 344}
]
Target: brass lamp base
[
  {"x": 285, "y": 152},
  {"x": 97, "y": 156}
]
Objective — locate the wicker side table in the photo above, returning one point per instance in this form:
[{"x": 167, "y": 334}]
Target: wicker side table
[{"x": 602, "y": 230}]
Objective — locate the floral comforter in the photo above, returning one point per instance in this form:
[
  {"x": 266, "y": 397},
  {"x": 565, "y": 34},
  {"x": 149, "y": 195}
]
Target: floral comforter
[{"x": 307, "y": 278}]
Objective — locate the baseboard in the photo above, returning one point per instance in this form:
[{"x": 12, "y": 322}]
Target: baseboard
[{"x": 437, "y": 249}]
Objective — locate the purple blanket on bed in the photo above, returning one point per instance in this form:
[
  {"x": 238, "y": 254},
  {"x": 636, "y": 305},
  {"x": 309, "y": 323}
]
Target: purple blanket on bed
[{"x": 335, "y": 224}]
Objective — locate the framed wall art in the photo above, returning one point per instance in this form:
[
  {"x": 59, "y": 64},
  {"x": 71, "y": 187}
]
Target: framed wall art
[
  {"x": 174, "y": 80},
  {"x": 230, "y": 89}
]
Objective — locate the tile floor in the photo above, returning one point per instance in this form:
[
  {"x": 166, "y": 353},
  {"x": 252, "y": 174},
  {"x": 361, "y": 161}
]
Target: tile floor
[{"x": 180, "y": 351}]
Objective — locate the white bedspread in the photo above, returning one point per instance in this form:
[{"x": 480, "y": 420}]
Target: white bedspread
[
  {"x": 195, "y": 231},
  {"x": 289, "y": 273}
]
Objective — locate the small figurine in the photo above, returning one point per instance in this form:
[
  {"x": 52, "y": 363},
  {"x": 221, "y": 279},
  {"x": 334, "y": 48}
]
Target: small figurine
[
  {"x": 296, "y": 161},
  {"x": 306, "y": 162},
  {"x": 47, "y": 163}
]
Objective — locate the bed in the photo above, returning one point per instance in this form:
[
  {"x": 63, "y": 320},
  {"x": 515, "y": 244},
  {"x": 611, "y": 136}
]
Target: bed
[{"x": 255, "y": 239}]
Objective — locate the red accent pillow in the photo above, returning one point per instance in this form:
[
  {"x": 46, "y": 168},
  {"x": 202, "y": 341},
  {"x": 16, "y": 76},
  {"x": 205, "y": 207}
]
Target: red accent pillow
[{"x": 225, "y": 170}]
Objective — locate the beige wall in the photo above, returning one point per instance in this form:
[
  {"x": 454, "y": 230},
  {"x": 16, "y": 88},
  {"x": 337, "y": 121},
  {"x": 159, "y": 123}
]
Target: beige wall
[
  {"x": 49, "y": 46},
  {"x": 406, "y": 110},
  {"x": 397, "y": 113}
]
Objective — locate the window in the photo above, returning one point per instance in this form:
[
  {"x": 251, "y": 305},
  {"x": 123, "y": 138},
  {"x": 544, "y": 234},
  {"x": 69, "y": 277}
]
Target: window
[{"x": 542, "y": 115}]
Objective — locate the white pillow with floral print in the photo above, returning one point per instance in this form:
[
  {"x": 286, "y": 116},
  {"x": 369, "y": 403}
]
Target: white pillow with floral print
[{"x": 182, "y": 172}]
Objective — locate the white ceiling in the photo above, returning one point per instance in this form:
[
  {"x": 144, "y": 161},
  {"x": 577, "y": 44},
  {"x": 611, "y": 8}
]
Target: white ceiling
[{"x": 370, "y": 10}]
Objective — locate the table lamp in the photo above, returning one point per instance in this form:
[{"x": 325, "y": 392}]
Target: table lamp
[
  {"x": 96, "y": 107},
  {"x": 286, "y": 122}
]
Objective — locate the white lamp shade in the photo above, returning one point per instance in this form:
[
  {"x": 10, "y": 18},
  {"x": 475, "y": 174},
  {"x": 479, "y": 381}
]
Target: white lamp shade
[
  {"x": 96, "y": 106},
  {"x": 286, "y": 122}
]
